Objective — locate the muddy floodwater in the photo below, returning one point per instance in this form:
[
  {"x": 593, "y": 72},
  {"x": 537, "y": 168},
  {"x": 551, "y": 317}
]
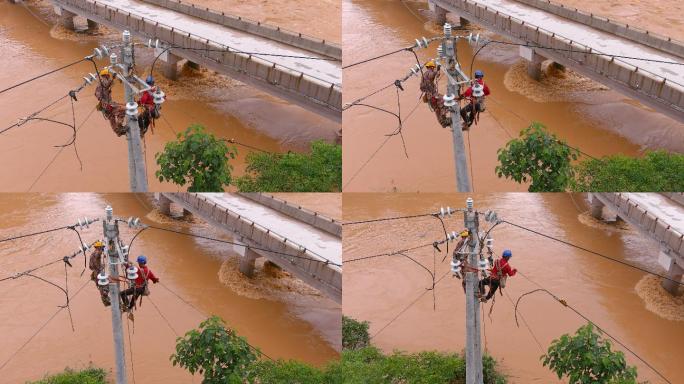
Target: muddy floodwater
[
  {"x": 615, "y": 297},
  {"x": 585, "y": 114},
  {"x": 278, "y": 314},
  {"x": 30, "y": 44}
]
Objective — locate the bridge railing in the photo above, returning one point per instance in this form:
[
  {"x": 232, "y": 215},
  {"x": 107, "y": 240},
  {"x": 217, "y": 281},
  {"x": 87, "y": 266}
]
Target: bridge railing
[
  {"x": 315, "y": 89},
  {"x": 648, "y": 222},
  {"x": 638, "y": 79},
  {"x": 642, "y": 36},
  {"x": 272, "y": 32}
]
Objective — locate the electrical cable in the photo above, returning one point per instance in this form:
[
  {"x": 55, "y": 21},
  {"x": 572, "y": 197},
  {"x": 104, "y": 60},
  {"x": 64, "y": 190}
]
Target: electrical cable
[
  {"x": 565, "y": 304},
  {"x": 411, "y": 304},
  {"x": 389, "y": 253},
  {"x": 387, "y": 219},
  {"x": 40, "y": 329},
  {"x": 376, "y": 57},
  {"x": 34, "y": 234},
  {"x": 594, "y": 252},
  {"x": 324, "y": 261},
  {"x": 205, "y": 316},
  {"x": 43, "y": 75}
]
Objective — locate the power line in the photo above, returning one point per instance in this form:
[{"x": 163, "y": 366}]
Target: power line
[
  {"x": 41, "y": 328},
  {"x": 593, "y": 252},
  {"x": 44, "y": 74},
  {"x": 324, "y": 261},
  {"x": 205, "y": 316},
  {"x": 411, "y": 304},
  {"x": 388, "y": 219},
  {"x": 36, "y": 233},
  {"x": 565, "y": 304},
  {"x": 377, "y": 57},
  {"x": 390, "y": 253}
]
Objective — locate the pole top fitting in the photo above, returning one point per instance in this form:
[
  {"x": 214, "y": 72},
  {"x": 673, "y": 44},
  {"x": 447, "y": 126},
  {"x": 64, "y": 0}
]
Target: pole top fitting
[
  {"x": 449, "y": 100},
  {"x": 109, "y": 212},
  {"x": 132, "y": 109},
  {"x": 469, "y": 203},
  {"x": 126, "y": 36},
  {"x": 447, "y": 29}
]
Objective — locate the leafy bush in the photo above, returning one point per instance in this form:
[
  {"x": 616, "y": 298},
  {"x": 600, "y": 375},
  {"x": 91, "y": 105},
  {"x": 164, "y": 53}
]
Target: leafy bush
[
  {"x": 89, "y": 375},
  {"x": 658, "y": 171},
  {"x": 585, "y": 358},
  {"x": 197, "y": 158},
  {"x": 354, "y": 333},
  {"x": 537, "y": 156},
  {"x": 291, "y": 372},
  {"x": 215, "y": 352},
  {"x": 318, "y": 171}
]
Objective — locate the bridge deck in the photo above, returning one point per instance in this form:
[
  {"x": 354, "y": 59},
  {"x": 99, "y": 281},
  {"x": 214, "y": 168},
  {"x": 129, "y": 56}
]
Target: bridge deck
[
  {"x": 325, "y": 70},
  {"x": 315, "y": 240},
  {"x": 600, "y": 41},
  {"x": 665, "y": 209}
]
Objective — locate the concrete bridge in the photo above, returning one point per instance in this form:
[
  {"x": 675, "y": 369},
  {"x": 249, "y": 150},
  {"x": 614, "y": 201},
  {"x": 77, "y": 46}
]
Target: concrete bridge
[
  {"x": 262, "y": 221},
  {"x": 314, "y": 84},
  {"x": 576, "y": 37},
  {"x": 659, "y": 216}
]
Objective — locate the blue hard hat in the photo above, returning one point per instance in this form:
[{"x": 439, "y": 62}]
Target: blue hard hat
[
  {"x": 507, "y": 253},
  {"x": 479, "y": 74},
  {"x": 150, "y": 80},
  {"x": 142, "y": 259}
]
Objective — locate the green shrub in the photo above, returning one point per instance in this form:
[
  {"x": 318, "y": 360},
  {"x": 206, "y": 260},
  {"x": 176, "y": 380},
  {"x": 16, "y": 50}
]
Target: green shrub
[
  {"x": 354, "y": 333},
  {"x": 90, "y": 375}
]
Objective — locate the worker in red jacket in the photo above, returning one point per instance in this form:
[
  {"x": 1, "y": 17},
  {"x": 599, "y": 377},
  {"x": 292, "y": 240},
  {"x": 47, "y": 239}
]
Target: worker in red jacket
[
  {"x": 500, "y": 272},
  {"x": 474, "y": 99},
  {"x": 144, "y": 274}
]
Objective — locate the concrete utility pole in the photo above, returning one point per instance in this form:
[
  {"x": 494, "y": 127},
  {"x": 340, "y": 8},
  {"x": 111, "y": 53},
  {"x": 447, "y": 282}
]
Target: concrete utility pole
[
  {"x": 473, "y": 340},
  {"x": 115, "y": 257},
  {"x": 136, "y": 160},
  {"x": 447, "y": 53}
]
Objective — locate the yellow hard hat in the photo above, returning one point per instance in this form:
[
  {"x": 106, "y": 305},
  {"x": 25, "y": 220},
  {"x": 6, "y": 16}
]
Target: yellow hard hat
[
  {"x": 464, "y": 233},
  {"x": 104, "y": 72},
  {"x": 430, "y": 64},
  {"x": 99, "y": 244}
]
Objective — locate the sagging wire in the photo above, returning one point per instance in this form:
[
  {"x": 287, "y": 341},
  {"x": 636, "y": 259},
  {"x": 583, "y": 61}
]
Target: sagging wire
[
  {"x": 4, "y": 364},
  {"x": 565, "y": 304}
]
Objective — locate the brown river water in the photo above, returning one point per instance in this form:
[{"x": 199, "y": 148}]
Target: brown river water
[
  {"x": 610, "y": 294},
  {"x": 585, "y": 114},
  {"x": 276, "y": 313},
  {"x": 31, "y": 45}
]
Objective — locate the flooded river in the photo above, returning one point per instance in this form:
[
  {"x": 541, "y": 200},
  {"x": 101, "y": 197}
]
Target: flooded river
[
  {"x": 276, "y": 313},
  {"x": 30, "y": 45},
  {"x": 586, "y": 114},
  {"x": 608, "y": 293}
]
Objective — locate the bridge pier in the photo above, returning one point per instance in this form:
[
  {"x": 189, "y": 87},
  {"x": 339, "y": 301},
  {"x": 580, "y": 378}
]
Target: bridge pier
[
  {"x": 674, "y": 272},
  {"x": 93, "y": 25},
  {"x": 247, "y": 259},
  {"x": 66, "y": 18},
  {"x": 169, "y": 63},
  {"x": 438, "y": 13},
  {"x": 534, "y": 62},
  {"x": 596, "y": 208},
  {"x": 164, "y": 204}
]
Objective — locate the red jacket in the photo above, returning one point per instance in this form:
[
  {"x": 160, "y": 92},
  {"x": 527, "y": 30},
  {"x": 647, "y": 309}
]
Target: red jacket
[
  {"x": 147, "y": 100},
  {"x": 469, "y": 91},
  {"x": 142, "y": 273},
  {"x": 505, "y": 269}
]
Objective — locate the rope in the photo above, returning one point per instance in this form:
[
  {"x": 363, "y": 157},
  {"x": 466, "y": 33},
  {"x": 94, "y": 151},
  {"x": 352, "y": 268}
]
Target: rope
[
  {"x": 41, "y": 328},
  {"x": 529, "y": 329},
  {"x": 130, "y": 346},
  {"x": 163, "y": 317},
  {"x": 594, "y": 252}
]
